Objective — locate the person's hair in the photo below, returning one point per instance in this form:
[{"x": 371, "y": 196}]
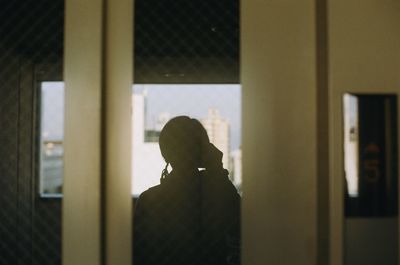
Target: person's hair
[{"x": 181, "y": 140}]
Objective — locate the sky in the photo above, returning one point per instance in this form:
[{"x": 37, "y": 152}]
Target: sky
[
  {"x": 194, "y": 101},
  {"x": 190, "y": 100},
  {"x": 52, "y": 110}
]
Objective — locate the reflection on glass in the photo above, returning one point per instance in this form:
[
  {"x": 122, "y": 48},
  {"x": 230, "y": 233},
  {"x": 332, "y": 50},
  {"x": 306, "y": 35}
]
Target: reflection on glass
[
  {"x": 216, "y": 106},
  {"x": 350, "y": 104},
  {"x": 51, "y": 138},
  {"x": 370, "y": 154}
]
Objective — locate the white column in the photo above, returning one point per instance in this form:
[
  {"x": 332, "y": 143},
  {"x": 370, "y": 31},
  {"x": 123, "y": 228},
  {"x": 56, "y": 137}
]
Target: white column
[
  {"x": 97, "y": 210},
  {"x": 118, "y": 76},
  {"x": 278, "y": 74},
  {"x": 82, "y": 168},
  {"x": 364, "y": 56}
]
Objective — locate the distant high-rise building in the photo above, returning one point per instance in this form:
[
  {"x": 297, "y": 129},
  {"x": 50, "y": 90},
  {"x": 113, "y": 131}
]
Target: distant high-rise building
[
  {"x": 147, "y": 162},
  {"x": 236, "y": 168},
  {"x": 218, "y": 132}
]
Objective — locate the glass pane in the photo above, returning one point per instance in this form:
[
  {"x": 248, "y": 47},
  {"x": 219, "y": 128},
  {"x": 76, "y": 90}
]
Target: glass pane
[
  {"x": 186, "y": 170},
  {"x": 370, "y": 155},
  {"x": 191, "y": 213},
  {"x": 155, "y": 105},
  {"x": 371, "y": 179},
  {"x": 31, "y": 51},
  {"x": 179, "y": 41},
  {"x": 51, "y": 139}
]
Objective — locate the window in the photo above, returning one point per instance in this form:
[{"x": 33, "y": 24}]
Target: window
[
  {"x": 216, "y": 106},
  {"x": 51, "y": 138}
]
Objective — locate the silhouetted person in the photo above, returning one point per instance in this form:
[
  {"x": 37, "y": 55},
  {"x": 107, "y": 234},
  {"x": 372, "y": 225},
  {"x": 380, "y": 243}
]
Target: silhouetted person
[{"x": 192, "y": 217}]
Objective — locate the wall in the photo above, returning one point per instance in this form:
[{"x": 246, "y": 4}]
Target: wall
[
  {"x": 371, "y": 241},
  {"x": 30, "y": 226},
  {"x": 278, "y": 75},
  {"x": 364, "y": 57},
  {"x": 30, "y": 51}
]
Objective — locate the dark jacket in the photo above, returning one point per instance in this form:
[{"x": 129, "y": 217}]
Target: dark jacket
[{"x": 188, "y": 220}]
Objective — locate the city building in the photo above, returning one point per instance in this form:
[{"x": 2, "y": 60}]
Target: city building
[
  {"x": 236, "y": 168},
  {"x": 218, "y": 131},
  {"x": 51, "y": 169},
  {"x": 147, "y": 161}
]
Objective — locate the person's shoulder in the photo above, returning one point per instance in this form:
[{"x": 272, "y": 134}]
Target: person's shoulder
[
  {"x": 151, "y": 194},
  {"x": 219, "y": 181},
  {"x": 219, "y": 178}
]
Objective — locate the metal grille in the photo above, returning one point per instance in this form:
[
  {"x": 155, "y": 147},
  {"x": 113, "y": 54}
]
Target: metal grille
[
  {"x": 177, "y": 41},
  {"x": 8, "y": 163},
  {"x": 31, "y": 48},
  {"x": 189, "y": 218},
  {"x": 181, "y": 41}
]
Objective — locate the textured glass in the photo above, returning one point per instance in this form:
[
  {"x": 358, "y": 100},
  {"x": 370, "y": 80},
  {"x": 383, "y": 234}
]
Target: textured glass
[
  {"x": 370, "y": 155},
  {"x": 51, "y": 139},
  {"x": 185, "y": 53},
  {"x": 217, "y": 107},
  {"x": 31, "y": 51},
  {"x": 181, "y": 41}
]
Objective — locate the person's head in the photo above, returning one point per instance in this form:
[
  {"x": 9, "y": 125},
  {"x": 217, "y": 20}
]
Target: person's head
[{"x": 181, "y": 141}]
